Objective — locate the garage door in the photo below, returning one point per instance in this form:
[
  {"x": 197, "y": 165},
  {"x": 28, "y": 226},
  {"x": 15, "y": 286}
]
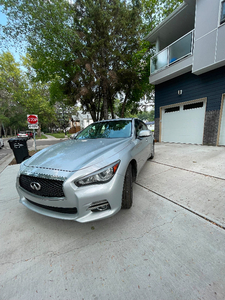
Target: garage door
[
  {"x": 222, "y": 126},
  {"x": 183, "y": 123}
]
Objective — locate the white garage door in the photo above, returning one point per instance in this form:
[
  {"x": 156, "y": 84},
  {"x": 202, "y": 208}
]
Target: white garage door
[
  {"x": 183, "y": 123},
  {"x": 222, "y": 126}
]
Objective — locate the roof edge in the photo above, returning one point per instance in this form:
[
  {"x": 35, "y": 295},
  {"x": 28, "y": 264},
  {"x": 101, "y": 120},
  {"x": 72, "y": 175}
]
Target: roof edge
[{"x": 166, "y": 20}]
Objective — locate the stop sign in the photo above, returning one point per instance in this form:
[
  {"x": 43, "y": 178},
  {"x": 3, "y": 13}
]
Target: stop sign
[{"x": 32, "y": 119}]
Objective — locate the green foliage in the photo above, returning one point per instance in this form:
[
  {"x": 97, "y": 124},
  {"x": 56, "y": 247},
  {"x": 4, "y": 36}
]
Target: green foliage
[
  {"x": 11, "y": 90},
  {"x": 41, "y": 137},
  {"x": 89, "y": 51},
  {"x": 63, "y": 115},
  {"x": 145, "y": 115},
  {"x": 154, "y": 11},
  {"x": 20, "y": 96}
]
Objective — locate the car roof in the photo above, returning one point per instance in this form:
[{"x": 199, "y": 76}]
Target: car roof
[{"x": 112, "y": 120}]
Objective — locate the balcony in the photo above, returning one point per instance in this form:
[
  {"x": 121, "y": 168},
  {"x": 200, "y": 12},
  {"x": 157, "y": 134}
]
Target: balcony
[{"x": 173, "y": 53}]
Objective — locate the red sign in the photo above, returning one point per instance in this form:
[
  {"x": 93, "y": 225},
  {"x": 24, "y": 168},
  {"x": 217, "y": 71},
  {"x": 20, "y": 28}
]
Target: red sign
[{"x": 32, "y": 119}]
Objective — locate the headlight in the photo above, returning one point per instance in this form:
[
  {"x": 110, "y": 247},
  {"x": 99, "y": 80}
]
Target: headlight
[{"x": 101, "y": 176}]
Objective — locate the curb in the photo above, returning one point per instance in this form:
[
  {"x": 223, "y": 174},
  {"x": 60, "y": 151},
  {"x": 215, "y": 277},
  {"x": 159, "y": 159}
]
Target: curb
[
  {"x": 9, "y": 157},
  {"x": 6, "y": 161}
]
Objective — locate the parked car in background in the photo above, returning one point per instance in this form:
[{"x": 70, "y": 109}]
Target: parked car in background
[
  {"x": 1, "y": 142},
  {"x": 30, "y": 134},
  {"x": 90, "y": 177},
  {"x": 23, "y": 134}
]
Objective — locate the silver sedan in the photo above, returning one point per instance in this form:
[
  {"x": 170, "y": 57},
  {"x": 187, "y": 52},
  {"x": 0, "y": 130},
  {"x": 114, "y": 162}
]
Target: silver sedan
[{"x": 88, "y": 178}]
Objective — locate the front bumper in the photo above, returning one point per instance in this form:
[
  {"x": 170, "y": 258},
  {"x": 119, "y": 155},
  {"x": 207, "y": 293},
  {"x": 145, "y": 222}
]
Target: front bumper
[{"x": 76, "y": 205}]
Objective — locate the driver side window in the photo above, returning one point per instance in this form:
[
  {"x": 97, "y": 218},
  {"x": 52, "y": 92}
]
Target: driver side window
[{"x": 139, "y": 126}]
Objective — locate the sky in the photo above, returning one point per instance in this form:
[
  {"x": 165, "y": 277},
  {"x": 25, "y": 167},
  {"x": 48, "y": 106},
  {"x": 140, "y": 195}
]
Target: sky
[
  {"x": 2, "y": 17},
  {"x": 3, "y": 21}
]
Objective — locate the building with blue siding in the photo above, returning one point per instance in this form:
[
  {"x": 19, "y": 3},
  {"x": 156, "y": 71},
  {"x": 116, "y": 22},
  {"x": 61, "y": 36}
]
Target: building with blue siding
[{"x": 188, "y": 71}]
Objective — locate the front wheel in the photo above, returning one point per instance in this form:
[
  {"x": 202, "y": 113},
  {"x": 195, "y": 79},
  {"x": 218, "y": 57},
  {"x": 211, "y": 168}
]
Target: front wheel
[
  {"x": 153, "y": 151},
  {"x": 127, "y": 197}
]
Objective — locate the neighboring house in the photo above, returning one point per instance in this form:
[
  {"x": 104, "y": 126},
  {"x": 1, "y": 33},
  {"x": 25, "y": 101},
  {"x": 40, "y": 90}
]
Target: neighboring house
[
  {"x": 80, "y": 121},
  {"x": 188, "y": 72},
  {"x": 150, "y": 125}
]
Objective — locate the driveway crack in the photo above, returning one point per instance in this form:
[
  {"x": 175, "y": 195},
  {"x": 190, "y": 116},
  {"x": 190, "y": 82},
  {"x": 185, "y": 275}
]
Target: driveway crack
[
  {"x": 182, "y": 206},
  {"x": 191, "y": 171}
]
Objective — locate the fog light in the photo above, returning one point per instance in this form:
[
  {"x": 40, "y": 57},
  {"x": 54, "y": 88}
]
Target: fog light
[{"x": 99, "y": 206}]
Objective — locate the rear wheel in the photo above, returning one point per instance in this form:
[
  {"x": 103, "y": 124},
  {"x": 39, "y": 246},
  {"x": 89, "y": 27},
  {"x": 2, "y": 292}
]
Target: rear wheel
[{"x": 127, "y": 197}]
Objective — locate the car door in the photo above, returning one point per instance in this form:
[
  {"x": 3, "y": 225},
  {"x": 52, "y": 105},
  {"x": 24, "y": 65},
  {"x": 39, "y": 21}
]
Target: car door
[{"x": 142, "y": 147}]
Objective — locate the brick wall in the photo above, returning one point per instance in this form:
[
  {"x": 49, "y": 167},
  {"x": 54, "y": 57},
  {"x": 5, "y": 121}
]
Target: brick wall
[
  {"x": 211, "y": 127},
  {"x": 156, "y": 130}
]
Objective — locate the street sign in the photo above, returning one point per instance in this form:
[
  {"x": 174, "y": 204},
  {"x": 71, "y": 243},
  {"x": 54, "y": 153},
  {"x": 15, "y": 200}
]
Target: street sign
[
  {"x": 32, "y": 119},
  {"x": 33, "y": 126}
]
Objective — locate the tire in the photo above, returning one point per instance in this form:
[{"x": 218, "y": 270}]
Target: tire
[
  {"x": 127, "y": 197},
  {"x": 153, "y": 151}
]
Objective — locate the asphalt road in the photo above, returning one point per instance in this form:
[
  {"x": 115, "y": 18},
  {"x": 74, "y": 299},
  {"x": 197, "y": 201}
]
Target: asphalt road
[{"x": 6, "y": 152}]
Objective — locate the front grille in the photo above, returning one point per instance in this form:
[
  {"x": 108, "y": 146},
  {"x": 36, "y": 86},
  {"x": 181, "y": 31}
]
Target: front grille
[
  {"x": 42, "y": 186},
  {"x": 65, "y": 210}
]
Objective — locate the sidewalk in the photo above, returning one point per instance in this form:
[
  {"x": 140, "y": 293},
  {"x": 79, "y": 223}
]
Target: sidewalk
[
  {"x": 8, "y": 158},
  {"x": 193, "y": 176},
  {"x": 50, "y": 137}
]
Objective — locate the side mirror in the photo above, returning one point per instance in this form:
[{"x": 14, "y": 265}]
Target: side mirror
[{"x": 144, "y": 133}]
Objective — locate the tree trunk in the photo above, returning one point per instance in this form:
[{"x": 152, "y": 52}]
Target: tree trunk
[
  {"x": 105, "y": 100},
  {"x": 93, "y": 115},
  {"x": 39, "y": 131},
  {"x": 124, "y": 105},
  {"x": 111, "y": 108}
]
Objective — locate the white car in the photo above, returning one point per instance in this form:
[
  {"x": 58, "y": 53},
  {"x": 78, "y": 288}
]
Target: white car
[
  {"x": 23, "y": 134},
  {"x": 90, "y": 177},
  {"x": 1, "y": 142}
]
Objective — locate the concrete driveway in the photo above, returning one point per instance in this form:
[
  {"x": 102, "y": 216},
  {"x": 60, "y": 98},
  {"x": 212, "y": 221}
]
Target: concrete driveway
[{"x": 169, "y": 245}]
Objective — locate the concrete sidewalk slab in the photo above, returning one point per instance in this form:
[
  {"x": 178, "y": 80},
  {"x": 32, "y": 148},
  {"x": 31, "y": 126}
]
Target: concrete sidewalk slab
[
  {"x": 8, "y": 184},
  {"x": 156, "y": 250},
  {"x": 50, "y": 137},
  {"x": 6, "y": 161},
  {"x": 208, "y": 160},
  {"x": 201, "y": 194}
]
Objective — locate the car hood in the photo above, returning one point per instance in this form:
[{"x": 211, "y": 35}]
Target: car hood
[{"x": 73, "y": 155}]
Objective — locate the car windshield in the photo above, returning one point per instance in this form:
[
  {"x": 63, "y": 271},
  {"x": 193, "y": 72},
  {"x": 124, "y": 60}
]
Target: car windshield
[{"x": 107, "y": 129}]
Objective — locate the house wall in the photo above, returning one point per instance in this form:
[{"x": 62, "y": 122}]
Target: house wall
[
  {"x": 210, "y": 85},
  {"x": 209, "y": 42}
]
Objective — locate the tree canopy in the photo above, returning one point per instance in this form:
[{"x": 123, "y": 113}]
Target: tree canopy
[
  {"x": 89, "y": 51},
  {"x": 20, "y": 96}
]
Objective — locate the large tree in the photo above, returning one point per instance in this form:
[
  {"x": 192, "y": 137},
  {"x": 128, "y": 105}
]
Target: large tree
[
  {"x": 20, "y": 96},
  {"x": 11, "y": 89},
  {"x": 90, "y": 50}
]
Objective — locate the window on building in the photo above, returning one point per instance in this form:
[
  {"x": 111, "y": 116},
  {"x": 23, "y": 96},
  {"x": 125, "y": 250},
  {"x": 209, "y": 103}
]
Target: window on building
[
  {"x": 193, "y": 105},
  {"x": 172, "y": 109},
  {"x": 222, "y": 19}
]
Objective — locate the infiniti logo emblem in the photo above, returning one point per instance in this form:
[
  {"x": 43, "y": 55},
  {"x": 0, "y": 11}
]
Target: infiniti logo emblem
[{"x": 35, "y": 186}]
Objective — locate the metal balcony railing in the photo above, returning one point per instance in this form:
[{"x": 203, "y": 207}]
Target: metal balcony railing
[{"x": 173, "y": 53}]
